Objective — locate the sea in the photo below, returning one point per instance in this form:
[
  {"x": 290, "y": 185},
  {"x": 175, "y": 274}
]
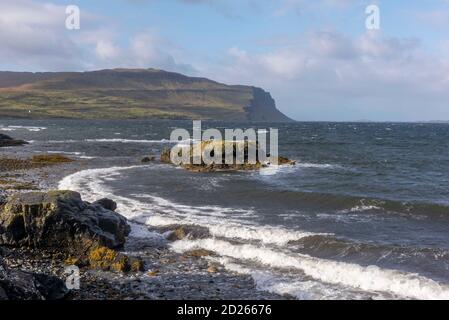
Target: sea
[{"x": 364, "y": 213}]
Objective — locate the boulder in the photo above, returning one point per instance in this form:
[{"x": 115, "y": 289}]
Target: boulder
[
  {"x": 7, "y": 141},
  {"x": 61, "y": 221},
  {"x": 109, "y": 260},
  {"x": 177, "y": 232},
  {"x": 106, "y": 203},
  {"x": 20, "y": 285}
]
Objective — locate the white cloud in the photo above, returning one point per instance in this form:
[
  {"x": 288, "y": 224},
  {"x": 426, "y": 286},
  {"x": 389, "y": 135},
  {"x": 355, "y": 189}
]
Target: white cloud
[
  {"x": 33, "y": 37},
  {"x": 32, "y": 34},
  {"x": 321, "y": 75},
  {"x": 331, "y": 75},
  {"x": 107, "y": 50}
]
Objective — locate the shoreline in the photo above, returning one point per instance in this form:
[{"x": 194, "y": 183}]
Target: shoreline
[{"x": 167, "y": 275}]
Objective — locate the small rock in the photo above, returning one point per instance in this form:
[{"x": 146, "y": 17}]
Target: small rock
[
  {"x": 106, "y": 203},
  {"x": 7, "y": 141},
  {"x": 198, "y": 253},
  {"x": 110, "y": 260},
  {"x": 50, "y": 287},
  {"x": 20, "y": 285},
  {"x": 191, "y": 232},
  {"x": 153, "y": 273},
  {"x": 148, "y": 159},
  {"x": 212, "y": 269}
]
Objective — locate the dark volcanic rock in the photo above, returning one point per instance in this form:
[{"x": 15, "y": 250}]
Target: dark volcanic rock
[
  {"x": 52, "y": 288},
  {"x": 7, "y": 141},
  {"x": 106, "y": 203},
  {"x": 177, "y": 232},
  {"x": 60, "y": 220},
  {"x": 148, "y": 159},
  {"x": 20, "y": 285}
]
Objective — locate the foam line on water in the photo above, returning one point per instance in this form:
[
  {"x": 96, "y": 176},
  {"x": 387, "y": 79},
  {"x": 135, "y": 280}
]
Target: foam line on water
[
  {"x": 294, "y": 286},
  {"x": 371, "y": 278},
  {"x": 116, "y": 140},
  {"x": 29, "y": 128},
  {"x": 90, "y": 183},
  {"x": 160, "y": 212}
]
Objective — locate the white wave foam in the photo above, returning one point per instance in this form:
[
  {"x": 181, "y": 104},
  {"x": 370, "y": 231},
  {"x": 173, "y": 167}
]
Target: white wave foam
[
  {"x": 361, "y": 208},
  {"x": 29, "y": 128},
  {"x": 370, "y": 278},
  {"x": 110, "y": 141},
  {"x": 161, "y": 212},
  {"x": 128, "y": 140},
  {"x": 62, "y": 141},
  {"x": 292, "y": 285},
  {"x": 158, "y": 212},
  {"x": 235, "y": 230},
  {"x": 318, "y": 165},
  {"x": 65, "y": 152},
  {"x": 79, "y": 155}
]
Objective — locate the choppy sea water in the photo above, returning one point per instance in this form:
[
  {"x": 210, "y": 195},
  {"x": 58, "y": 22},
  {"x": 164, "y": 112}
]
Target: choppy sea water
[{"x": 364, "y": 213}]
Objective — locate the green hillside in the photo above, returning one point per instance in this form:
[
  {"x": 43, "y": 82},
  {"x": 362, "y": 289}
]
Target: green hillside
[{"x": 130, "y": 94}]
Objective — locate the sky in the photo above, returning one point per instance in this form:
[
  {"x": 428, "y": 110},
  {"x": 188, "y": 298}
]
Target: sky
[{"x": 316, "y": 58}]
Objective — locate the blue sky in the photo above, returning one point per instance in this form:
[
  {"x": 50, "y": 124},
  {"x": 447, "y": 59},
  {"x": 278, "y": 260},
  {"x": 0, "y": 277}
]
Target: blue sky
[{"x": 315, "y": 57}]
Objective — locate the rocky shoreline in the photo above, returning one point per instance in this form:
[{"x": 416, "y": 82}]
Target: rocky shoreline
[{"x": 33, "y": 259}]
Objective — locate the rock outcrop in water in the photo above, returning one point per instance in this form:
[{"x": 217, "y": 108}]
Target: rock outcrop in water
[
  {"x": 208, "y": 148},
  {"x": 7, "y": 141}
]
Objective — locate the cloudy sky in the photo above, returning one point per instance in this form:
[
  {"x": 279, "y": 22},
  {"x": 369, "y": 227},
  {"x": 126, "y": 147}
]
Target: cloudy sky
[{"x": 316, "y": 58}]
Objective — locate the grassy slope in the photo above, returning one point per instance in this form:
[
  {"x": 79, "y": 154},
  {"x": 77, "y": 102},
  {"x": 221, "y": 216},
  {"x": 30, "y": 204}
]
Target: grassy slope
[{"x": 121, "y": 94}]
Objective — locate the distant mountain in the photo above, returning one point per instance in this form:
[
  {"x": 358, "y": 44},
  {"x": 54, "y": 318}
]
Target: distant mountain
[{"x": 130, "y": 94}]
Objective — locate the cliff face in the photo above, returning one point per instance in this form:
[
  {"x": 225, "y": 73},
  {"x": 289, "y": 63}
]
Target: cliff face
[
  {"x": 131, "y": 94},
  {"x": 263, "y": 108}
]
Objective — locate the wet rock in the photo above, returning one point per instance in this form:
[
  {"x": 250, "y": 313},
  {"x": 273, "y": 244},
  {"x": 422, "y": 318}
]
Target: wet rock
[
  {"x": 110, "y": 260},
  {"x": 285, "y": 161},
  {"x": 106, "y": 203},
  {"x": 148, "y": 159},
  {"x": 165, "y": 156},
  {"x": 198, "y": 253},
  {"x": 212, "y": 269},
  {"x": 60, "y": 220},
  {"x": 175, "y": 233},
  {"x": 20, "y": 285},
  {"x": 7, "y": 141},
  {"x": 3, "y": 295},
  {"x": 52, "y": 288}
]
